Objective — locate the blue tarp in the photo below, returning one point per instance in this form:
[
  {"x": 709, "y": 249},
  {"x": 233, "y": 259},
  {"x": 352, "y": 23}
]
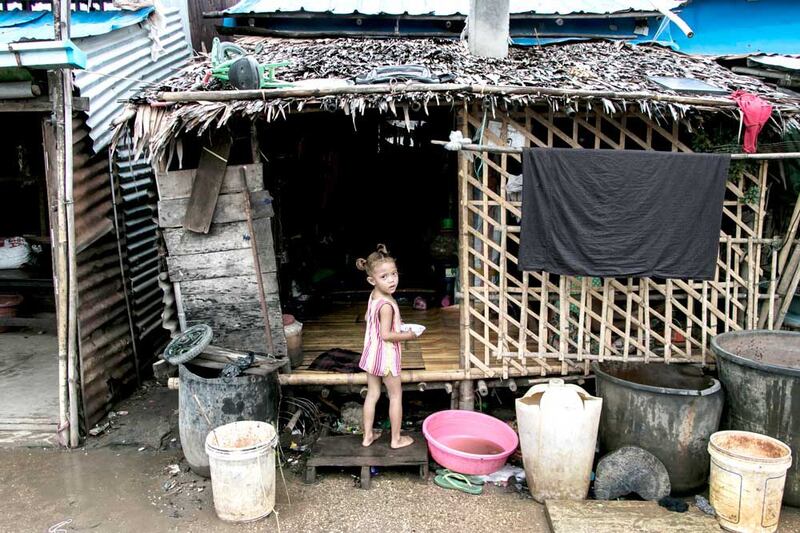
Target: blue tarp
[
  {"x": 18, "y": 26},
  {"x": 737, "y": 27}
]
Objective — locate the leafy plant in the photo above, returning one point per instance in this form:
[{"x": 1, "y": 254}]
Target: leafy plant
[{"x": 751, "y": 196}]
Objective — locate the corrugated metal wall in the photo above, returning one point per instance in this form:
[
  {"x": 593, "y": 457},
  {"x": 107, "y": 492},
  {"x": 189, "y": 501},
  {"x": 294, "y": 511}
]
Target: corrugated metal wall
[
  {"x": 140, "y": 243},
  {"x": 119, "y": 63},
  {"x": 107, "y": 360}
]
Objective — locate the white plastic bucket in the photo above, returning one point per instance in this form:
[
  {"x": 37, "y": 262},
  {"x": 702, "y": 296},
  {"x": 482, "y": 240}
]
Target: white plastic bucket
[
  {"x": 748, "y": 471},
  {"x": 242, "y": 463},
  {"x": 557, "y": 433}
]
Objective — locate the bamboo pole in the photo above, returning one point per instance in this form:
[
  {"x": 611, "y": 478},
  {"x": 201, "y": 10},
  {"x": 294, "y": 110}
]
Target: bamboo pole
[
  {"x": 772, "y": 286},
  {"x": 628, "y": 308},
  {"x": 62, "y": 104},
  {"x": 400, "y": 88},
  {"x": 668, "y": 322},
  {"x": 466, "y": 399},
  {"x": 486, "y": 251},
  {"x": 406, "y": 376},
  {"x": 60, "y": 263},
  {"x": 647, "y": 327},
  {"x": 491, "y": 149},
  {"x": 780, "y": 270},
  {"x": 603, "y": 348},
  {"x": 728, "y": 267},
  {"x": 791, "y": 232},
  {"x": 563, "y": 321},
  {"x": 787, "y": 286}
]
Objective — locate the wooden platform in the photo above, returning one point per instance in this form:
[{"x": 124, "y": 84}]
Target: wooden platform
[
  {"x": 346, "y": 450},
  {"x": 436, "y": 349},
  {"x": 591, "y": 516}
]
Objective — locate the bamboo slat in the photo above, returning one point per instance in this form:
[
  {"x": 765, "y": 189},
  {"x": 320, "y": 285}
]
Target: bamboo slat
[{"x": 517, "y": 321}]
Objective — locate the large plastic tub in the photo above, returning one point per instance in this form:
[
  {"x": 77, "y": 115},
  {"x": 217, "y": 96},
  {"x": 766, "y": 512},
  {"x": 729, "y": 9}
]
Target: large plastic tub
[
  {"x": 668, "y": 410},
  {"x": 760, "y": 371},
  {"x": 469, "y": 442}
]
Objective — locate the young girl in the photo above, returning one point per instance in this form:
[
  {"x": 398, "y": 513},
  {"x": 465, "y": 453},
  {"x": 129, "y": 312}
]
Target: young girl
[{"x": 381, "y": 355}]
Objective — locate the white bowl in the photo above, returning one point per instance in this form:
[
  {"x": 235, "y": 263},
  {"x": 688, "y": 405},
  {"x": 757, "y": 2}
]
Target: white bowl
[{"x": 416, "y": 328}]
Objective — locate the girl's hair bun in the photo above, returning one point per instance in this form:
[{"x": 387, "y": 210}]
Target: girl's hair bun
[{"x": 380, "y": 255}]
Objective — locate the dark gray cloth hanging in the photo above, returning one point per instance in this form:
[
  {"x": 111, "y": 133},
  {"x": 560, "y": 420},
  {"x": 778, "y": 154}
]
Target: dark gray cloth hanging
[{"x": 618, "y": 213}]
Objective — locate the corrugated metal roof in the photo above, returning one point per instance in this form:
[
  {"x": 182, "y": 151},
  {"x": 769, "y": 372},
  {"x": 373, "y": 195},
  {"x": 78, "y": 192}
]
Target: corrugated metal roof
[
  {"x": 16, "y": 17},
  {"x": 441, "y": 7},
  {"x": 777, "y": 61},
  {"x": 16, "y": 26},
  {"x": 120, "y": 63}
]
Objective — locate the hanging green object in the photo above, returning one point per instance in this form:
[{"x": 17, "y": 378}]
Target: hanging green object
[{"x": 230, "y": 63}]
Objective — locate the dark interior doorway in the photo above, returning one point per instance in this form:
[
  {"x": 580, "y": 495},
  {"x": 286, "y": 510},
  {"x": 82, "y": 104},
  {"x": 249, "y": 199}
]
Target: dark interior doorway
[{"x": 343, "y": 186}]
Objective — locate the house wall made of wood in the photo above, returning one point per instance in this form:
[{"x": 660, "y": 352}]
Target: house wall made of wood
[
  {"x": 213, "y": 274},
  {"x": 535, "y": 323}
]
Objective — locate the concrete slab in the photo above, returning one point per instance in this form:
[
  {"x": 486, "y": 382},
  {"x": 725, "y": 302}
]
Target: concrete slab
[{"x": 29, "y": 383}]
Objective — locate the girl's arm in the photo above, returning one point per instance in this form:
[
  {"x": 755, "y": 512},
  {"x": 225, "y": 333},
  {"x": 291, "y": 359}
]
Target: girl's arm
[{"x": 386, "y": 315}]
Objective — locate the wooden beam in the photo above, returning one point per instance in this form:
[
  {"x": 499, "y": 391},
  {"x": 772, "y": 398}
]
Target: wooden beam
[
  {"x": 177, "y": 184},
  {"x": 229, "y": 208},
  {"x": 266, "y": 94},
  {"x": 208, "y": 182},
  {"x": 41, "y": 104}
]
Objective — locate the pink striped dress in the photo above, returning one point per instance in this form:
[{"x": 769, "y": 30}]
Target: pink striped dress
[{"x": 380, "y": 358}]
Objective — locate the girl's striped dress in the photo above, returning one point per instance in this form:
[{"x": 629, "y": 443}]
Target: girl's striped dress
[{"x": 380, "y": 358}]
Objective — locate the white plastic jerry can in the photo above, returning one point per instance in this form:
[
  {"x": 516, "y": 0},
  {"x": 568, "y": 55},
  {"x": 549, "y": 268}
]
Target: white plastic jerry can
[{"x": 557, "y": 426}]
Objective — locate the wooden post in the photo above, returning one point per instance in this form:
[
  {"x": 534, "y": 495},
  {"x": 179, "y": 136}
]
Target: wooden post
[
  {"x": 772, "y": 306},
  {"x": 465, "y": 398},
  {"x": 61, "y": 96},
  {"x": 58, "y": 229},
  {"x": 787, "y": 286},
  {"x": 262, "y": 298}
]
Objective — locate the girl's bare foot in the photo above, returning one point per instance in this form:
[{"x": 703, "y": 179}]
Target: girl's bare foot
[
  {"x": 369, "y": 438},
  {"x": 402, "y": 442}
]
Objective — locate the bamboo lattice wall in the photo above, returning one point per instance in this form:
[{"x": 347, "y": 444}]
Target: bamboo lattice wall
[{"x": 535, "y": 323}]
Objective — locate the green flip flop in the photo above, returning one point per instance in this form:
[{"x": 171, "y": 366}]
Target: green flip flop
[
  {"x": 456, "y": 481},
  {"x": 474, "y": 480}
]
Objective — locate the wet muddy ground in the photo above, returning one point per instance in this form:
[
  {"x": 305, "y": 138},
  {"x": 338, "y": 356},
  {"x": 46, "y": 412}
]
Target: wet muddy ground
[
  {"x": 110, "y": 490},
  {"x": 132, "y": 478},
  {"x": 126, "y": 490}
]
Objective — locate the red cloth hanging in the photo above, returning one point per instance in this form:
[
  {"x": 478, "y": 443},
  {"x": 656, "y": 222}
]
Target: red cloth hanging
[{"x": 756, "y": 113}]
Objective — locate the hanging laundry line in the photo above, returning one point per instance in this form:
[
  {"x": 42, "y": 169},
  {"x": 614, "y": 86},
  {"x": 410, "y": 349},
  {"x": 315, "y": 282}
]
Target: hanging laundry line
[{"x": 469, "y": 147}]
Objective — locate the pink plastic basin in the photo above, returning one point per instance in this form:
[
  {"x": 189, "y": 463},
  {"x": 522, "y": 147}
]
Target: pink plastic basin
[{"x": 469, "y": 442}]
